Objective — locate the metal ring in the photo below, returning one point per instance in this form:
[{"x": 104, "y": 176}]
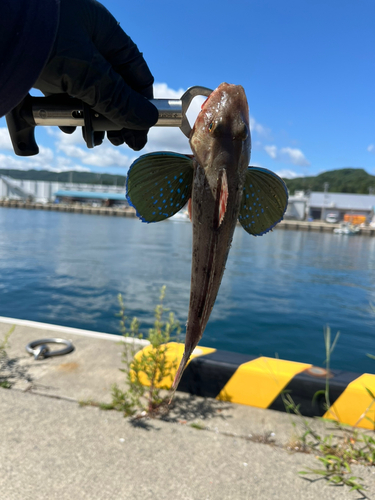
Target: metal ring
[
  {"x": 44, "y": 351},
  {"x": 186, "y": 100}
]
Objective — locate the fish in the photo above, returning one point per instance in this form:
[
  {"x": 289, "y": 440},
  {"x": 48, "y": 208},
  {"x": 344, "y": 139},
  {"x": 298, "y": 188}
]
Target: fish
[{"x": 220, "y": 189}]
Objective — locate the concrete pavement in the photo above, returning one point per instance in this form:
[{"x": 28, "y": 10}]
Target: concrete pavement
[{"x": 51, "y": 448}]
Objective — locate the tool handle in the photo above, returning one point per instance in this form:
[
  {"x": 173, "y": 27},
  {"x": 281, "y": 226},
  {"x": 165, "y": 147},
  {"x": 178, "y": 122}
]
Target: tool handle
[
  {"x": 21, "y": 128},
  {"x": 63, "y": 111}
]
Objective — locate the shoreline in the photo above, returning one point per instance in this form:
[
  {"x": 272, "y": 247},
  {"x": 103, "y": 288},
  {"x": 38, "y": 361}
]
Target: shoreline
[
  {"x": 90, "y": 369},
  {"x": 297, "y": 225}
]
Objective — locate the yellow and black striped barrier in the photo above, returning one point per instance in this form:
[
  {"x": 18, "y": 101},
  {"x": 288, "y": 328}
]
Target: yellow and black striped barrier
[{"x": 261, "y": 382}]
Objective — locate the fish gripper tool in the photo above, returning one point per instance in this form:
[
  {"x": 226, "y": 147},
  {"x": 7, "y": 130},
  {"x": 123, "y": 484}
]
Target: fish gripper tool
[{"x": 65, "y": 111}]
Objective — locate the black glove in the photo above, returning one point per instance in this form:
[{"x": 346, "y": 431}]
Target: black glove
[
  {"x": 94, "y": 60},
  {"x": 135, "y": 139}
]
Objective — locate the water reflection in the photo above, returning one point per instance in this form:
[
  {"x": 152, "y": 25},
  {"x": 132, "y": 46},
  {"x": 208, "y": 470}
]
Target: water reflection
[{"x": 277, "y": 293}]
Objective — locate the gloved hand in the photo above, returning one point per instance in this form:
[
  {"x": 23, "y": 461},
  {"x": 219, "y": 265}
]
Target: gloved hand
[{"x": 94, "y": 60}]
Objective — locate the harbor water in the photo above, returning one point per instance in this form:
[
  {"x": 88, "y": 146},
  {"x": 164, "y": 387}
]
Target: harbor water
[{"x": 278, "y": 293}]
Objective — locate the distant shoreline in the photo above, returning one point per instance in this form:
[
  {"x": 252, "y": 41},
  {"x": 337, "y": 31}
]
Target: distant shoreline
[
  {"x": 316, "y": 226},
  {"x": 73, "y": 207}
]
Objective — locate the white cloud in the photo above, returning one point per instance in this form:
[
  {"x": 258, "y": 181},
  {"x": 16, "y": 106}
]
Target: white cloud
[
  {"x": 287, "y": 174},
  {"x": 63, "y": 164},
  {"x": 10, "y": 161},
  {"x": 287, "y": 155},
  {"x": 167, "y": 139},
  {"x": 45, "y": 160},
  {"x": 69, "y": 168},
  {"x": 45, "y": 156},
  {"x": 371, "y": 148},
  {"x": 7, "y": 161},
  {"x": 259, "y": 129},
  {"x": 70, "y": 150},
  {"x": 50, "y": 130},
  {"x": 106, "y": 155},
  {"x": 5, "y": 142},
  {"x": 41, "y": 161},
  {"x": 161, "y": 90},
  {"x": 295, "y": 156},
  {"x": 271, "y": 151}
]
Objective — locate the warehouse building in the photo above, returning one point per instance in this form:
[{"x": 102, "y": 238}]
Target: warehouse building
[
  {"x": 337, "y": 205},
  {"x": 301, "y": 206},
  {"x": 104, "y": 198},
  {"x": 55, "y": 192}
]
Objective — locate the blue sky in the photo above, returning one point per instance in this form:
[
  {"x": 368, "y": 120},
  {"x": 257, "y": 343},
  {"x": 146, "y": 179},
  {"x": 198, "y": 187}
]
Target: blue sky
[{"x": 308, "y": 69}]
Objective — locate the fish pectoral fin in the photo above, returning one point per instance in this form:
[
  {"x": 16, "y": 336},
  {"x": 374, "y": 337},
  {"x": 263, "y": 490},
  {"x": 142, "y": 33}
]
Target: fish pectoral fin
[
  {"x": 158, "y": 185},
  {"x": 264, "y": 201}
]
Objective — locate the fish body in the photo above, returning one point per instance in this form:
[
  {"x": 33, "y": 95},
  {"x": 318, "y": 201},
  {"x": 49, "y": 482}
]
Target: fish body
[
  {"x": 222, "y": 189},
  {"x": 220, "y": 141}
]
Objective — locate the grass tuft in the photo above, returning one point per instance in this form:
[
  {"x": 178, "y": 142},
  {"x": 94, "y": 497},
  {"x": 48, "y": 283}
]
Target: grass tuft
[{"x": 340, "y": 450}]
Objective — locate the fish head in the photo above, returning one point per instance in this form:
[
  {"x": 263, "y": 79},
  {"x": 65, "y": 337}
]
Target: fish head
[{"x": 220, "y": 137}]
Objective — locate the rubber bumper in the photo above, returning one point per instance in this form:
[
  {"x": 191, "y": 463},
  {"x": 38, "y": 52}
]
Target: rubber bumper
[{"x": 262, "y": 382}]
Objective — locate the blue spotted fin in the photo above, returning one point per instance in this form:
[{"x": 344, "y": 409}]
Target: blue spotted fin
[
  {"x": 264, "y": 201},
  {"x": 159, "y": 184}
]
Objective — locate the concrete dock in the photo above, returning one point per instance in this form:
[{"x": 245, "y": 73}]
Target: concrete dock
[
  {"x": 73, "y": 208},
  {"x": 51, "y": 448},
  {"x": 318, "y": 226}
]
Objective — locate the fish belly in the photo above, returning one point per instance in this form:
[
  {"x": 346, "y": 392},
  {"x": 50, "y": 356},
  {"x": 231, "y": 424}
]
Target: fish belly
[{"x": 211, "y": 244}]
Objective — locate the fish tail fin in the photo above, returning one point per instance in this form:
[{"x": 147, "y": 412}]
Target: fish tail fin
[{"x": 180, "y": 371}]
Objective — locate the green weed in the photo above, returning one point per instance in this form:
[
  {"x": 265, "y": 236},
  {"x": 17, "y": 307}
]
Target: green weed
[
  {"x": 337, "y": 451},
  {"x": 4, "y": 344},
  {"x": 149, "y": 374}
]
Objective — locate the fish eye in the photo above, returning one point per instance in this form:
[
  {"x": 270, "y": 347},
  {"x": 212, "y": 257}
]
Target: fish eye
[
  {"x": 244, "y": 133},
  {"x": 216, "y": 128}
]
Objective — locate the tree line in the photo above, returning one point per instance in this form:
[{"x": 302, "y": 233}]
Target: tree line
[
  {"x": 345, "y": 180},
  {"x": 69, "y": 176}
]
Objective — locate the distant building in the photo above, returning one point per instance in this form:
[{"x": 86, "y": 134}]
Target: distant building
[
  {"x": 301, "y": 206},
  {"x": 105, "y": 198},
  {"x": 44, "y": 192},
  {"x": 322, "y": 204},
  {"x": 297, "y": 206}
]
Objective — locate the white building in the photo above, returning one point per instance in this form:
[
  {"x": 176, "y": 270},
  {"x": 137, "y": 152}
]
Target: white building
[
  {"x": 44, "y": 191},
  {"x": 297, "y": 206},
  {"x": 301, "y": 206},
  {"x": 321, "y": 204},
  {"x": 317, "y": 205}
]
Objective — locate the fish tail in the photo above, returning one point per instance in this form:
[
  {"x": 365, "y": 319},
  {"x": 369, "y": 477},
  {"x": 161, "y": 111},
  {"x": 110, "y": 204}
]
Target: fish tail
[{"x": 180, "y": 371}]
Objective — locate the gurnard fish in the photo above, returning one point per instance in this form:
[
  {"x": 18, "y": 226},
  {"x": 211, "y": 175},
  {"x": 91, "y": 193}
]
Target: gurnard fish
[{"x": 220, "y": 188}]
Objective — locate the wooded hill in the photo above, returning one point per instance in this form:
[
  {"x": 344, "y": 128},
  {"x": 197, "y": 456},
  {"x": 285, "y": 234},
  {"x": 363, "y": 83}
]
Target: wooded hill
[
  {"x": 70, "y": 176},
  {"x": 345, "y": 180}
]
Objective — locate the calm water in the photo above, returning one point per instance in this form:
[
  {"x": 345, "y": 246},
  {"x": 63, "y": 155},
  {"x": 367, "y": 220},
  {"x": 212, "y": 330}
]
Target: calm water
[{"x": 278, "y": 290}]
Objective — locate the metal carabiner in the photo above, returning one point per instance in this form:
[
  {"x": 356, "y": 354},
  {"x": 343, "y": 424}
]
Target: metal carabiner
[
  {"x": 38, "y": 348},
  {"x": 172, "y": 112}
]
